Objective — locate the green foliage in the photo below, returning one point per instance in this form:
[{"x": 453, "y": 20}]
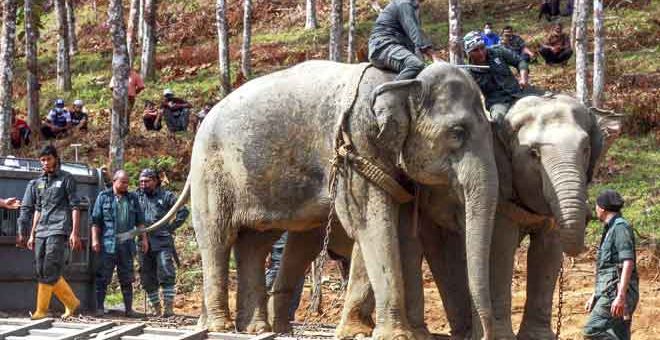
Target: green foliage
[
  {"x": 159, "y": 164},
  {"x": 38, "y": 14}
]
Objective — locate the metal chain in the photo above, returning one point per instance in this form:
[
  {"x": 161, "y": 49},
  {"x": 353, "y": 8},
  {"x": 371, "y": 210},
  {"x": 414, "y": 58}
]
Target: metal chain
[{"x": 560, "y": 303}]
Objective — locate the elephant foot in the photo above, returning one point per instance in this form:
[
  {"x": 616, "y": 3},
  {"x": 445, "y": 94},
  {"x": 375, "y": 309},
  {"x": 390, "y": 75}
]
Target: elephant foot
[
  {"x": 393, "y": 333},
  {"x": 281, "y": 326},
  {"x": 221, "y": 324},
  {"x": 535, "y": 333},
  {"x": 257, "y": 327},
  {"x": 355, "y": 326}
]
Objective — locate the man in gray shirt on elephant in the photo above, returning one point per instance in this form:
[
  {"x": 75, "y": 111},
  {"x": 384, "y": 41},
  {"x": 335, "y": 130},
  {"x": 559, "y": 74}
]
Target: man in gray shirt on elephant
[{"x": 396, "y": 37}]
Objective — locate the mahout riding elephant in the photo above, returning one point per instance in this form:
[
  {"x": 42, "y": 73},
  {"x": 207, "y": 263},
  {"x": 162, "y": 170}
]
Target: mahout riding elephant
[
  {"x": 546, "y": 156},
  {"x": 260, "y": 165}
]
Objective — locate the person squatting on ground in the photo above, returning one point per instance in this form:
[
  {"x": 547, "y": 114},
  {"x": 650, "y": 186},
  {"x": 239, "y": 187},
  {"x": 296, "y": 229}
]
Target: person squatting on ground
[
  {"x": 116, "y": 210},
  {"x": 396, "y": 37},
  {"x": 151, "y": 116},
  {"x": 57, "y": 122},
  {"x": 157, "y": 264},
  {"x": 78, "y": 115},
  {"x": 55, "y": 232},
  {"x": 20, "y": 131},
  {"x": 176, "y": 111},
  {"x": 617, "y": 284},
  {"x": 490, "y": 38},
  {"x": 516, "y": 44},
  {"x": 497, "y": 83},
  {"x": 556, "y": 49}
]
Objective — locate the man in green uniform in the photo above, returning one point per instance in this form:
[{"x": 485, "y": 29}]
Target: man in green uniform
[
  {"x": 55, "y": 231},
  {"x": 116, "y": 210},
  {"x": 396, "y": 37},
  {"x": 617, "y": 284},
  {"x": 497, "y": 83},
  {"x": 157, "y": 265}
]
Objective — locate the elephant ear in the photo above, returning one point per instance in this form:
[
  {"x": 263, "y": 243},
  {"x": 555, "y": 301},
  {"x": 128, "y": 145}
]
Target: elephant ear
[
  {"x": 394, "y": 104},
  {"x": 605, "y": 129}
]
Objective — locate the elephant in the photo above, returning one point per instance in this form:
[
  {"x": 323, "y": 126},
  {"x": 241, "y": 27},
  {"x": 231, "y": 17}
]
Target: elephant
[
  {"x": 546, "y": 154},
  {"x": 259, "y": 165}
]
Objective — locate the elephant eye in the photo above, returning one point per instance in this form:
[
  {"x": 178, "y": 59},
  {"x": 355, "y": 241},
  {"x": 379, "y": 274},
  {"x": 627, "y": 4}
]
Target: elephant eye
[{"x": 458, "y": 133}]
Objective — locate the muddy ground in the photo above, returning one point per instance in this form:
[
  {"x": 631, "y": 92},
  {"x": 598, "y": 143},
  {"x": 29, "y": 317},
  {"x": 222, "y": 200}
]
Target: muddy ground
[{"x": 578, "y": 287}]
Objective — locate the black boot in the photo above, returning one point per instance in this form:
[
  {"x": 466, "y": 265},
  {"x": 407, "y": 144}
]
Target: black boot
[{"x": 127, "y": 294}]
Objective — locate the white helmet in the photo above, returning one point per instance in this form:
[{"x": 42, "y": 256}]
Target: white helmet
[
  {"x": 167, "y": 92},
  {"x": 78, "y": 102}
]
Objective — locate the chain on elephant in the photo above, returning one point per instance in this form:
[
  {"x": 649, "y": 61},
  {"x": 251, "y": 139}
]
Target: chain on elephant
[{"x": 560, "y": 303}]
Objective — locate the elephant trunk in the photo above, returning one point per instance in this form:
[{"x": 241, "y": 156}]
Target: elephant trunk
[
  {"x": 567, "y": 196},
  {"x": 479, "y": 181}
]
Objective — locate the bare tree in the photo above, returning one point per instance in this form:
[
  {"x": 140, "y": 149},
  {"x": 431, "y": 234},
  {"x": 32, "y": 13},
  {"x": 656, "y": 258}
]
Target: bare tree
[
  {"x": 599, "y": 56},
  {"x": 71, "y": 25},
  {"x": 120, "y": 71},
  {"x": 581, "y": 91},
  {"x": 148, "y": 70},
  {"x": 7, "y": 51},
  {"x": 223, "y": 46},
  {"x": 352, "y": 22},
  {"x": 140, "y": 19},
  {"x": 131, "y": 35},
  {"x": 336, "y": 27},
  {"x": 310, "y": 15},
  {"x": 32, "y": 66},
  {"x": 246, "y": 68},
  {"x": 63, "y": 67},
  {"x": 455, "y": 33}
]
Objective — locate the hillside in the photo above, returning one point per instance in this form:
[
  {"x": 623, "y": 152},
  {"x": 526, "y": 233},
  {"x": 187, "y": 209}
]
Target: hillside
[{"x": 187, "y": 63}]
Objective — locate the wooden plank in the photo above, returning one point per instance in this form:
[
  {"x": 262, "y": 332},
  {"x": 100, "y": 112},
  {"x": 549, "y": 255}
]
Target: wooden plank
[
  {"x": 25, "y": 329},
  {"x": 265, "y": 336},
  {"x": 194, "y": 335},
  {"x": 228, "y": 336},
  {"x": 165, "y": 331},
  {"x": 118, "y": 333},
  {"x": 94, "y": 329}
]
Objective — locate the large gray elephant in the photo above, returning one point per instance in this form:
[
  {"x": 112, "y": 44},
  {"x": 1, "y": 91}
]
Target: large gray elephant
[
  {"x": 260, "y": 164},
  {"x": 545, "y": 156}
]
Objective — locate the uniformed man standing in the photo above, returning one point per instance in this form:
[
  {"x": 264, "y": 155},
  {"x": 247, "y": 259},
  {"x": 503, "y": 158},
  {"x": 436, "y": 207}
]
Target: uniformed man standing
[
  {"x": 157, "y": 265},
  {"x": 617, "y": 284},
  {"x": 396, "y": 37},
  {"x": 497, "y": 83},
  {"x": 116, "y": 210},
  {"x": 55, "y": 231}
]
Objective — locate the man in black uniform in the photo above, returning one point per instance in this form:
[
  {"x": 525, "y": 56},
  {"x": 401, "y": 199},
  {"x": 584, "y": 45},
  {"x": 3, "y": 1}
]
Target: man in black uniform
[
  {"x": 396, "y": 37},
  {"x": 157, "y": 265},
  {"x": 55, "y": 231}
]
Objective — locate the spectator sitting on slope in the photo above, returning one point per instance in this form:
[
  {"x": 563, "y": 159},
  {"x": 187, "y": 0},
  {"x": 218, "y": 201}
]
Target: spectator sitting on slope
[
  {"x": 58, "y": 121},
  {"x": 516, "y": 44}
]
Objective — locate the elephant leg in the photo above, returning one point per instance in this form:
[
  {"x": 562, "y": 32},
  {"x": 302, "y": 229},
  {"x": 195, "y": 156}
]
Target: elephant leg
[
  {"x": 201, "y": 322},
  {"x": 543, "y": 262},
  {"x": 445, "y": 253},
  {"x": 251, "y": 250},
  {"x": 503, "y": 248},
  {"x": 300, "y": 250},
  {"x": 359, "y": 302}
]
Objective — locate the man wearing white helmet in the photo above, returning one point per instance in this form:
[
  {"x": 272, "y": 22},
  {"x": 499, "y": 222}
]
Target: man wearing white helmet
[
  {"x": 78, "y": 115},
  {"x": 498, "y": 85},
  {"x": 176, "y": 111}
]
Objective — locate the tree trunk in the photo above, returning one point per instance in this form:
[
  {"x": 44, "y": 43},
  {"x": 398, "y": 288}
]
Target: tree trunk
[
  {"x": 455, "y": 33},
  {"x": 131, "y": 34},
  {"x": 120, "y": 71},
  {"x": 32, "y": 67},
  {"x": 140, "y": 29},
  {"x": 149, "y": 40},
  {"x": 246, "y": 69},
  {"x": 581, "y": 90},
  {"x": 7, "y": 51},
  {"x": 599, "y": 55},
  {"x": 223, "y": 46},
  {"x": 63, "y": 70},
  {"x": 336, "y": 26},
  {"x": 71, "y": 26},
  {"x": 352, "y": 22},
  {"x": 310, "y": 15}
]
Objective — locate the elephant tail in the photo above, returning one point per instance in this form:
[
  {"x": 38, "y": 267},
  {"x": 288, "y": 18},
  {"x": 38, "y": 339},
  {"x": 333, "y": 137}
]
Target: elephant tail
[{"x": 183, "y": 198}]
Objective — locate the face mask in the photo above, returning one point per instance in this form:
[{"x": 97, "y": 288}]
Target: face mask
[{"x": 488, "y": 31}]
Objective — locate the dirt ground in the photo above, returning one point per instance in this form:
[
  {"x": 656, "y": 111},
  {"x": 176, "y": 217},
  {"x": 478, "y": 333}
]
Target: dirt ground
[{"x": 578, "y": 287}]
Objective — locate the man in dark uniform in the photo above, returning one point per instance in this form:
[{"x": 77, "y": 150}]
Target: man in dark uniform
[
  {"x": 157, "y": 265},
  {"x": 396, "y": 37},
  {"x": 116, "y": 210},
  {"x": 55, "y": 231},
  {"x": 497, "y": 83},
  {"x": 617, "y": 283}
]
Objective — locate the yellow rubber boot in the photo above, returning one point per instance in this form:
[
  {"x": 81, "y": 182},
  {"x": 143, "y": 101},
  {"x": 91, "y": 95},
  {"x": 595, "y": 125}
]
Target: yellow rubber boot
[
  {"x": 44, "y": 293},
  {"x": 64, "y": 293}
]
